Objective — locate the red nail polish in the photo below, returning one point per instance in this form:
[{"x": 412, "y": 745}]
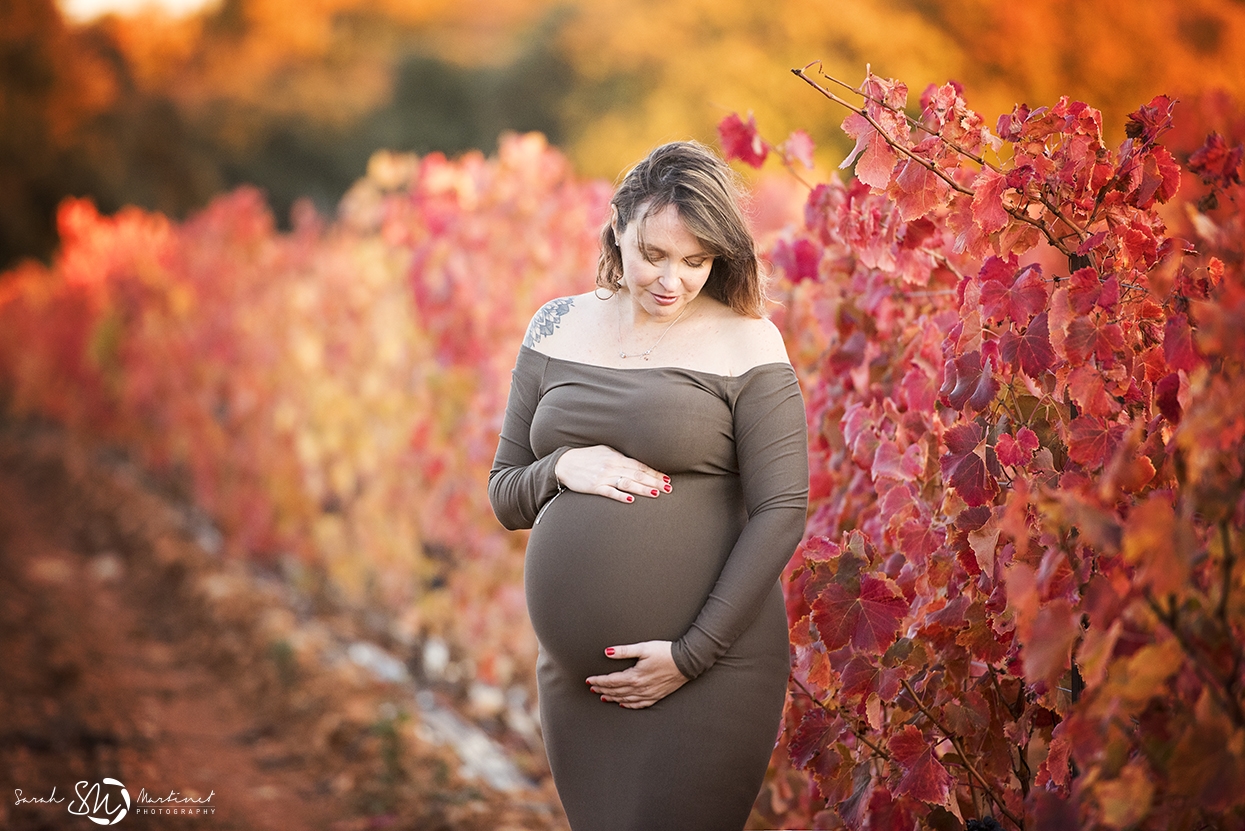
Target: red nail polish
[
  {"x": 654, "y": 491},
  {"x": 610, "y": 651},
  {"x": 603, "y": 699},
  {"x": 631, "y": 499},
  {"x": 666, "y": 478},
  {"x": 667, "y": 489}
]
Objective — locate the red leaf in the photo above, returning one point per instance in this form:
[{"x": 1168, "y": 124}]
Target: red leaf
[
  {"x": 862, "y": 676},
  {"x": 817, "y": 729},
  {"x": 1167, "y": 396},
  {"x": 867, "y": 617},
  {"x": 1092, "y": 439},
  {"x": 924, "y": 776},
  {"x": 1084, "y": 289},
  {"x": 1088, "y": 390},
  {"x": 974, "y": 384},
  {"x": 1216, "y": 163},
  {"x": 988, "y": 210},
  {"x": 1017, "y": 451},
  {"x": 1160, "y": 177},
  {"x": 1178, "y": 343},
  {"x": 918, "y": 190},
  {"x": 1048, "y": 649},
  {"x": 964, "y": 465},
  {"x": 1093, "y": 335},
  {"x": 1017, "y": 297},
  {"x": 798, "y": 146},
  {"x": 799, "y": 259},
  {"x": 1149, "y": 121},
  {"x": 1032, "y": 350},
  {"x": 741, "y": 141},
  {"x": 878, "y": 159}
]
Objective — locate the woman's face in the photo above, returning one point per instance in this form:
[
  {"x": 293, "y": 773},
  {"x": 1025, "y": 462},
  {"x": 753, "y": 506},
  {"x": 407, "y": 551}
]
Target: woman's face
[{"x": 669, "y": 269}]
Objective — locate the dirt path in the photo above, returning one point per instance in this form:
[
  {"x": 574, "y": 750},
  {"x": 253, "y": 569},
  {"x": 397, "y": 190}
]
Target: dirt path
[{"x": 128, "y": 652}]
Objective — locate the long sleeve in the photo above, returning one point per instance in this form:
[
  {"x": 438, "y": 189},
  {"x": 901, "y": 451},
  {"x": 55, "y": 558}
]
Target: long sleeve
[
  {"x": 771, "y": 445},
  {"x": 519, "y": 483}
]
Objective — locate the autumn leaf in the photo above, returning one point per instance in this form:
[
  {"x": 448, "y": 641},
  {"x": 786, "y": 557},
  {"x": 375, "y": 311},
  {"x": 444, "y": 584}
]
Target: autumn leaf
[
  {"x": 741, "y": 141},
  {"x": 1155, "y": 541},
  {"x": 1031, "y": 351},
  {"x": 798, "y": 147},
  {"x": 817, "y": 730},
  {"x": 1093, "y": 335},
  {"x": 1216, "y": 163},
  {"x": 964, "y": 465},
  {"x": 1092, "y": 439},
  {"x": 924, "y": 776},
  {"x": 867, "y": 617},
  {"x": 1178, "y": 345},
  {"x": 971, "y": 383},
  {"x": 988, "y": 210},
  {"x": 1017, "y": 450},
  {"x": 798, "y": 259},
  {"x": 877, "y": 159},
  {"x": 1011, "y": 294}
]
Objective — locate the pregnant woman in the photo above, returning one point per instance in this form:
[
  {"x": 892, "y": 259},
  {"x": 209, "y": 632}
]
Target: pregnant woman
[{"x": 654, "y": 441}]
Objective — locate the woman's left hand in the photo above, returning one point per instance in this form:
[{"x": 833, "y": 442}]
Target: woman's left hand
[{"x": 652, "y": 678}]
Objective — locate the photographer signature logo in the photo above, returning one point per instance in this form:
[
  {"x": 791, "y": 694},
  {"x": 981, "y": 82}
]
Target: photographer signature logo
[
  {"x": 107, "y": 802},
  {"x": 95, "y": 802}
]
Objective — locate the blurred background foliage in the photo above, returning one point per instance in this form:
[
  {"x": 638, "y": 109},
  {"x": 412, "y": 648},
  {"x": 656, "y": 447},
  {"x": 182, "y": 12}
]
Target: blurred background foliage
[{"x": 164, "y": 112}]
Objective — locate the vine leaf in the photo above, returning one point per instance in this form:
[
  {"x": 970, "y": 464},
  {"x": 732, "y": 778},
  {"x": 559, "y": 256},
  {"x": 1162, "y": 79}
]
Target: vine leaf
[
  {"x": 964, "y": 465},
  {"x": 924, "y": 776},
  {"x": 867, "y": 616}
]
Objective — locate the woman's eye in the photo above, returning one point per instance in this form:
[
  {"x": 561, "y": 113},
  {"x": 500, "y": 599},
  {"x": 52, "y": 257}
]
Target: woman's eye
[{"x": 696, "y": 263}]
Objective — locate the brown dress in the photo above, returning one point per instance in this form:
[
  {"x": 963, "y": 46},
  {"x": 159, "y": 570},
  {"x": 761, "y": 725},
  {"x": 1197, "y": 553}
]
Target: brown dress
[{"x": 698, "y": 566}]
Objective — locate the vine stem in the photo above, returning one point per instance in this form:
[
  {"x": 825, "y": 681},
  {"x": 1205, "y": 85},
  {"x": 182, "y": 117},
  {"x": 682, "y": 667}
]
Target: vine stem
[
  {"x": 1081, "y": 233},
  {"x": 834, "y": 711},
  {"x": 1015, "y": 213},
  {"x": 1221, "y": 689},
  {"x": 959, "y": 748}
]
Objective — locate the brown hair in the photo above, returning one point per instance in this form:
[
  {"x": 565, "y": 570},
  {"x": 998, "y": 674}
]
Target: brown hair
[{"x": 705, "y": 192}]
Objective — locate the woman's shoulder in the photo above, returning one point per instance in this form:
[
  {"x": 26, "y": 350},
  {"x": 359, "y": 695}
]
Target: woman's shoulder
[
  {"x": 555, "y": 318},
  {"x": 751, "y": 341}
]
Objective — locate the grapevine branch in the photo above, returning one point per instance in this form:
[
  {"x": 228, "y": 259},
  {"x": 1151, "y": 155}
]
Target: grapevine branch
[
  {"x": 1015, "y": 213},
  {"x": 955, "y": 146},
  {"x": 834, "y": 711},
  {"x": 959, "y": 748},
  {"x": 1221, "y": 688}
]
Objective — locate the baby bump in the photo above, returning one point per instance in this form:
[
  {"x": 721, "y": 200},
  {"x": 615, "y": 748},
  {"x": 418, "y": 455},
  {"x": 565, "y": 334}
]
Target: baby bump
[{"x": 600, "y": 572}]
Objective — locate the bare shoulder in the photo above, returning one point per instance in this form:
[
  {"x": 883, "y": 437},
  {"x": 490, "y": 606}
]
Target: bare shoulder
[
  {"x": 755, "y": 341},
  {"x": 547, "y": 320}
]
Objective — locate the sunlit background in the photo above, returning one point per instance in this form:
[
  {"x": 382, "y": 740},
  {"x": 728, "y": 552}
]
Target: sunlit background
[{"x": 163, "y": 105}]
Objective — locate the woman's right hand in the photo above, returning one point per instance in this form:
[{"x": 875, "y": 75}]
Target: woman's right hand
[{"x": 606, "y": 472}]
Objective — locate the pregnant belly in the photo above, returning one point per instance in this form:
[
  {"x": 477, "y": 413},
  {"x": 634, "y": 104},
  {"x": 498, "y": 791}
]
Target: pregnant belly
[{"x": 600, "y": 573}]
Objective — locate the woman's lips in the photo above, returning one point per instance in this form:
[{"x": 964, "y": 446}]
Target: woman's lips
[{"x": 666, "y": 299}]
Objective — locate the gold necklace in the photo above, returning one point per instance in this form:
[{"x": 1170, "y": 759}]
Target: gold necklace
[{"x": 649, "y": 351}]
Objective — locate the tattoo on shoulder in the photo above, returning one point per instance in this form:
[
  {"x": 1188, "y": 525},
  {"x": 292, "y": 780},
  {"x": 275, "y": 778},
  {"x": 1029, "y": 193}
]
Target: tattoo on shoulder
[{"x": 547, "y": 319}]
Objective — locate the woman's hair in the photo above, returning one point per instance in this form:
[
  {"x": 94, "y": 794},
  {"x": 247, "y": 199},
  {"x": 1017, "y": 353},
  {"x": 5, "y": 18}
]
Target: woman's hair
[{"x": 705, "y": 192}]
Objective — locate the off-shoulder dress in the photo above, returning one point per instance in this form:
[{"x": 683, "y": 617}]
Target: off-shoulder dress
[{"x": 698, "y": 566}]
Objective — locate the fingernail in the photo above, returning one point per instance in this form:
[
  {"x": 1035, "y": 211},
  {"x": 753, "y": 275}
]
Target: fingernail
[
  {"x": 667, "y": 489},
  {"x": 666, "y": 478},
  {"x": 603, "y": 699},
  {"x": 655, "y": 491},
  {"x": 610, "y": 651},
  {"x": 631, "y": 499}
]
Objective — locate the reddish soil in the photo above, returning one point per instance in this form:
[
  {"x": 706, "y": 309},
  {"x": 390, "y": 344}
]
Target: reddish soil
[{"x": 127, "y": 651}]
